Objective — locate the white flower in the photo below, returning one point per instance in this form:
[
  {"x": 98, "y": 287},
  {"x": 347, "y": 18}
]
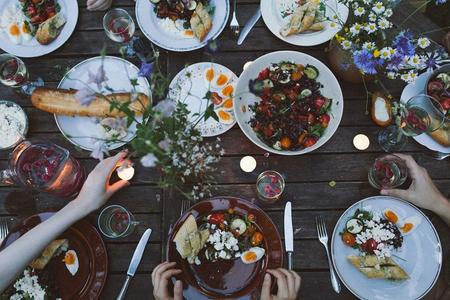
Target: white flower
[
  {"x": 384, "y": 23},
  {"x": 346, "y": 44},
  {"x": 378, "y": 8},
  {"x": 415, "y": 61},
  {"x": 355, "y": 29},
  {"x": 369, "y": 45},
  {"x": 148, "y": 160},
  {"x": 372, "y": 17},
  {"x": 423, "y": 42},
  {"x": 371, "y": 28},
  {"x": 387, "y": 52},
  {"x": 359, "y": 11},
  {"x": 412, "y": 76},
  {"x": 405, "y": 77},
  {"x": 388, "y": 13},
  {"x": 391, "y": 75}
]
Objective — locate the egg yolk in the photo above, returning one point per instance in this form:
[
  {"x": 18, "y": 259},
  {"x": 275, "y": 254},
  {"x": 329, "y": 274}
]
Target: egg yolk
[
  {"x": 228, "y": 90},
  {"x": 228, "y": 103},
  {"x": 25, "y": 28},
  {"x": 69, "y": 258},
  {"x": 222, "y": 79},
  {"x": 250, "y": 256},
  {"x": 391, "y": 216},
  {"x": 224, "y": 115},
  {"x": 407, "y": 227},
  {"x": 189, "y": 33},
  {"x": 210, "y": 74},
  {"x": 14, "y": 30}
]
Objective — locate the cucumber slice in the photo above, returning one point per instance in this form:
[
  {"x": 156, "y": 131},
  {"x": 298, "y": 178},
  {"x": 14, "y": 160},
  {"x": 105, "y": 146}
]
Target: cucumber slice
[
  {"x": 311, "y": 72},
  {"x": 305, "y": 93},
  {"x": 267, "y": 83},
  {"x": 155, "y": 1},
  {"x": 354, "y": 226}
]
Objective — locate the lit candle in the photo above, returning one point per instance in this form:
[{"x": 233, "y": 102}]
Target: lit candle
[
  {"x": 247, "y": 64},
  {"x": 361, "y": 142},
  {"x": 248, "y": 164},
  {"x": 125, "y": 171}
]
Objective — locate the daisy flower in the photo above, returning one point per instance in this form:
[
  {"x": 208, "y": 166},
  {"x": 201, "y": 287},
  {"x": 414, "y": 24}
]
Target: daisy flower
[
  {"x": 378, "y": 8},
  {"x": 388, "y": 13},
  {"x": 423, "y": 42},
  {"x": 415, "y": 61},
  {"x": 359, "y": 11},
  {"x": 371, "y": 28},
  {"x": 369, "y": 45},
  {"x": 355, "y": 29},
  {"x": 346, "y": 44},
  {"x": 384, "y": 23},
  {"x": 372, "y": 17},
  {"x": 387, "y": 52}
]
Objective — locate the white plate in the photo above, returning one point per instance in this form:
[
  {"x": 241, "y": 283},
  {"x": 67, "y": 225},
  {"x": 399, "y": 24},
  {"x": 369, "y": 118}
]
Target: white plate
[
  {"x": 411, "y": 90},
  {"x": 83, "y": 131},
  {"x": 69, "y": 8},
  {"x": 148, "y": 22},
  {"x": 421, "y": 251},
  {"x": 271, "y": 11},
  {"x": 191, "y": 92},
  {"x": 331, "y": 89}
]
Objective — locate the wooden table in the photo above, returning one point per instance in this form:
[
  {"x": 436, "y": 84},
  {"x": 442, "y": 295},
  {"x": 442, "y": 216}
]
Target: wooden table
[{"x": 307, "y": 176}]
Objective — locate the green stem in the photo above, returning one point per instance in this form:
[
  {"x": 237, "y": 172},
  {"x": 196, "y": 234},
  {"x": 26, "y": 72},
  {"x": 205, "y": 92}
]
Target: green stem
[{"x": 414, "y": 12}]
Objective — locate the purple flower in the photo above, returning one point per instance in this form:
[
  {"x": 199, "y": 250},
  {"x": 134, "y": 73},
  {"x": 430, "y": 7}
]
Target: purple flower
[
  {"x": 85, "y": 95},
  {"x": 439, "y": 2},
  {"x": 97, "y": 78},
  {"x": 164, "y": 144},
  {"x": 395, "y": 62},
  {"x": 365, "y": 61},
  {"x": 403, "y": 43},
  {"x": 100, "y": 149},
  {"x": 149, "y": 160},
  {"x": 166, "y": 107},
  {"x": 212, "y": 47},
  {"x": 146, "y": 69}
]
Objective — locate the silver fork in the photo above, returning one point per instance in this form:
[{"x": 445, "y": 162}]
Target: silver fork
[
  {"x": 437, "y": 155},
  {"x": 234, "y": 25},
  {"x": 4, "y": 230},
  {"x": 323, "y": 238},
  {"x": 185, "y": 204}
]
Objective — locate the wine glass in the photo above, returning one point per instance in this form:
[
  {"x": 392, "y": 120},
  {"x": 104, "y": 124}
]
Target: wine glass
[
  {"x": 119, "y": 27},
  {"x": 420, "y": 114},
  {"x": 388, "y": 171},
  {"x": 13, "y": 72}
]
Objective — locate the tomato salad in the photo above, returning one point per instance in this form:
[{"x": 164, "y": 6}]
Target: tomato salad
[
  {"x": 439, "y": 88},
  {"x": 292, "y": 114}
]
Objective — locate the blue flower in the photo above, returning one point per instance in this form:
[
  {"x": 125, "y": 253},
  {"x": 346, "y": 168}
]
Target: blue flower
[
  {"x": 438, "y": 2},
  {"x": 395, "y": 62},
  {"x": 146, "y": 69},
  {"x": 365, "y": 61},
  {"x": 403, "y": 43},
  {"x": 212, "y": 46}
]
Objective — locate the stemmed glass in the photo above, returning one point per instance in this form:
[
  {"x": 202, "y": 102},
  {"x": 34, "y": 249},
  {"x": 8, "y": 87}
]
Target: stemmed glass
[
  {"x": 14, "y": 73},
  {"x": 119, "y": 27},
  {"x": 420, "y": 114}
]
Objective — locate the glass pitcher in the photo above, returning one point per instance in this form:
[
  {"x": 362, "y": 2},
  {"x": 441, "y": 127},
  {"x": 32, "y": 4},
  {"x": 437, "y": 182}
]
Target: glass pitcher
[{"x": 45, "y": 167}]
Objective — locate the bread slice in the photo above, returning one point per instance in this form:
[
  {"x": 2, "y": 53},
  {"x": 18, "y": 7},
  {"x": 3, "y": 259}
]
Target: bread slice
[
  {"x": 380, "y": 268},
  {"x": 201, "y": 22},
  {"x": 381, "y": 109},
  {"x": 442, "y": 135},
  {"x": 53, "y": 249},
  {"x": 49, "y": 30},
  {"x": 64, "y": 102},
  {"x": 181, "y": 239}
]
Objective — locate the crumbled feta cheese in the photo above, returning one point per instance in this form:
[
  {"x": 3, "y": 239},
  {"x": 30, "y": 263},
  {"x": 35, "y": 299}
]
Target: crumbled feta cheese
[{"x": 28, "y": 284}]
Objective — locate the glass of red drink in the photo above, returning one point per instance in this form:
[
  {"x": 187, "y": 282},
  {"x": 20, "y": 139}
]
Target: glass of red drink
[
  {"x": 119, "y": 25},
  {"x": 44, "y": 167}
]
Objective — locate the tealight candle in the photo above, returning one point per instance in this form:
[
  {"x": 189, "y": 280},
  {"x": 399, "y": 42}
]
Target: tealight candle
[
  {"x": 248, "y": 164},
  {"x": 125, "y": 172},
  {"x": 247, "y": 64},
  {"x": 361, "y": 142}
]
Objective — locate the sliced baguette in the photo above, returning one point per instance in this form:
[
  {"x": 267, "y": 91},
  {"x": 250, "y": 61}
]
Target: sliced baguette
[
  {"x": 64, "y": 102},
  {"x": 53, "y": 249},
  {"x": 381, "y": 110},
  {"x": 442, "y": 135}
]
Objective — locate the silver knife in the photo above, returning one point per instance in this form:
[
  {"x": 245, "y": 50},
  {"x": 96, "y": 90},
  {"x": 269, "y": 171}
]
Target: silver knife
[
  {"x": 288, "y": 233},
  {"x": 135, "y": 262},
  {"x": 249, "y": 25}
]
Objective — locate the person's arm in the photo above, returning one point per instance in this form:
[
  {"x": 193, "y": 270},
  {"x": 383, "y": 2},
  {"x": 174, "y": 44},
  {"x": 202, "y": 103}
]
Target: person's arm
[
  {"x": 94, "y": 193},
  {"x": 422, "y": 191}
]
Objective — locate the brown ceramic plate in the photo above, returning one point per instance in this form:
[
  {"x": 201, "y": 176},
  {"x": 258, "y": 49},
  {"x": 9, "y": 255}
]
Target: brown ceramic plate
[
  {"x": 227, "y": 279},
  {"x": 88, "y": 282}
]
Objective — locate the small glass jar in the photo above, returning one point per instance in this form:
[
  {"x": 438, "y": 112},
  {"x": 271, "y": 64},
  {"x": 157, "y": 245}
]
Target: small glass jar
[
  {"x": 270, "y": 186},
  {"x": 21, "y": 123}
]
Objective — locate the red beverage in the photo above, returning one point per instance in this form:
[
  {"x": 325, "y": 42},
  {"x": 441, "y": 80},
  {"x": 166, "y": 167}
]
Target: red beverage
[{"x": 49, "y": 168}]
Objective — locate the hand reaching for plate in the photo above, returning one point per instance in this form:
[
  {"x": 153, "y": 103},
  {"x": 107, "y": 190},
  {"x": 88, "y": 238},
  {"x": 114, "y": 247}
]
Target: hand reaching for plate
[
  {"x": 160, "y": 279},
  {"x": 422, "y": 191},
  {"x": 98, "y": 4},
  {"x": 288, "y": 283}
]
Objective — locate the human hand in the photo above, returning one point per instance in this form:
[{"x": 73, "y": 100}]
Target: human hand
[
  {"x": 288, "y": 283},
  {"x": 98, "y": 4},
  {"x": 422, "y": 191},
  {"x": 96, "y": 189},
  {"x": 160, "y": 279}
]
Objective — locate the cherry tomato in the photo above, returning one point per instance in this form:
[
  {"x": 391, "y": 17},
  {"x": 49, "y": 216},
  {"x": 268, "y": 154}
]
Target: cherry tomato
[
  {"x": 324, "y": 120},
  {"x": 264, "y": 74},
  {"x": 216, "y": 219},
  {"x": 369, "y": 246},
  {"x": 256, "y": 239},
  {"x": 286, "y": 143},
  {"x": 445, "y": 102},
  {"x": 349, "y": 239},
  {"x": 309, "y": 142},
  {"x": 319, "y": 101},
  {"x": 215, "y": 98}
]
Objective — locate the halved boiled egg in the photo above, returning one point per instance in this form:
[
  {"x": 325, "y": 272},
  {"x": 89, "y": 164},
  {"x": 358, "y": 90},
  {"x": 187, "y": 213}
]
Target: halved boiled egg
[
  {"x": 228, "y": 104},
  {"x": 409, "y": 224},
  {"x": 391, "y": 215},
  {"x": 225, "y": 117},
  {"x": 227, "y": 91},
  {"x": 71, "y": 261},
  {"x": 189, "y": 33},
  {"x": 25, "y": 31},
  {"x": 13, "y": 33},
  {"x": 252, "y": 255},
  {"x": 209, "y": 75}
]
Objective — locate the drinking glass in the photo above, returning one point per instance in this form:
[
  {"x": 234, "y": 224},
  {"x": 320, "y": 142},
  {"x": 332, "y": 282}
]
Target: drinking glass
[
  {"x": 13, "y": 72},
  {"x": 116, "y": 221},
  {"x": 270, "y": 186},
  {"x": 119, "y": 27},
  {"x": 45, "y": 167},
  {"x": 389, "y": 171},
  {"x": 420, "y": 114}
]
